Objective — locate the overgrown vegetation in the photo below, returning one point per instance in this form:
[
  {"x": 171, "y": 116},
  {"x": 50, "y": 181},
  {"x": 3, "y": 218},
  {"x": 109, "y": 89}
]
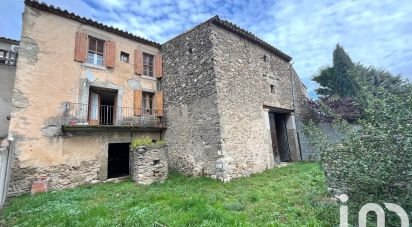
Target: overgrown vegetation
[
  {"x": 147, "y": 142},
  {"x": 374, "y": 163},
  {"x": 340, "y": 89},
  {"x": 294, "y": 195}
]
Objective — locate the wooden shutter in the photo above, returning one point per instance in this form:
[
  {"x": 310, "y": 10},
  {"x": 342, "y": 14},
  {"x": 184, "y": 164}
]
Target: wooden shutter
[
  {"x": 158, "y": 66},
  {"x": 80, "y": 47},
  {"x": 138, "y": 62},
  {"x": 138, "y": 102},
  {"x": 110, "y": 54},
  {"x": 159, "y": 103}
]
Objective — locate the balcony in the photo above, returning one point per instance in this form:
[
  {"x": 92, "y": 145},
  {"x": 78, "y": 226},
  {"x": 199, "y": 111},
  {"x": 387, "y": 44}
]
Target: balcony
[{"x": 78, "y": 116}]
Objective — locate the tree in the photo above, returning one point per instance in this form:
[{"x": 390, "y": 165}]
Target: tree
[
  {"x": 337, "y": 80},
  {"x": 341, "y": 84}
]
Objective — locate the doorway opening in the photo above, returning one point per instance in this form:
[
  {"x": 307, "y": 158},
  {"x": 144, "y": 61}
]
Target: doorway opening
[
  {"x": 279, "y": 135},
  {"x": 102, "y": 106},
  {"x": 118, "y": 160}
]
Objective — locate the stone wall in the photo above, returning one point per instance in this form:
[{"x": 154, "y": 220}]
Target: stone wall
[
  {"x": 309, "y": 152},
  {"x": 148, "y": 165},
  {"x": 217, "y": 87},
  {"x": 7, "y": 77},
  {"x": 250, "y": 78},
  {"x": 85, "y": 156},
  {"x": 61, "y": 176},
  {"x": 193, "y": 134}
]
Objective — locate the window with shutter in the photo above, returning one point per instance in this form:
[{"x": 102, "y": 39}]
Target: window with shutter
[
  {"x": 95, "y": 51},
  {"x": 148, "y": 103},
  {"x": 148, "y": 61}
]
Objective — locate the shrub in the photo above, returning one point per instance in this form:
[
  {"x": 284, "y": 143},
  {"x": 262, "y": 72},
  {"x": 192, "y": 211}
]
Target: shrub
[
  {"x": 374, "y": 163},
  {"x": 146, "y": 141}
]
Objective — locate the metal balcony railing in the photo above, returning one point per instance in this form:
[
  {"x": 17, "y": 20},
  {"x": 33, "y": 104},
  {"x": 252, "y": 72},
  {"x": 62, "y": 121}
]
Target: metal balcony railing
[{"x": 79, "y": 114}]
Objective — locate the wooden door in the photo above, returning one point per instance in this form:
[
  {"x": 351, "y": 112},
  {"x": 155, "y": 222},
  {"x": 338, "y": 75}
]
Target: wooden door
[
  {"x": 274, "y": 137},
  {"x": 282, "y": 135},
  {"x": 94, "y": 103}
]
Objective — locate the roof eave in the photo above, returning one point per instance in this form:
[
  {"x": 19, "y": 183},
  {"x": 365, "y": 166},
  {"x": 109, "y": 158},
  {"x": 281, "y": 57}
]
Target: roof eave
[
  {"x": 248, "y": 35},
  {"x": 69, "y": 15}
]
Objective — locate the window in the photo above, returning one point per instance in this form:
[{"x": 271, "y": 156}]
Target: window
[
  {"x": 124, "y": 57},
  {"x": 96, "y": 50},
  {"x": 3, "y": 56},
  {"x": 13, "y": 58},
  {"x": 148, "y": 64},
  {"x": 8, "y": 57},
  {"x": 147, "y": 103}
]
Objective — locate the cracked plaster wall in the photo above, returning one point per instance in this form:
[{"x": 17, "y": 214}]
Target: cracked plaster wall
[{"x": 47, "y": 76}]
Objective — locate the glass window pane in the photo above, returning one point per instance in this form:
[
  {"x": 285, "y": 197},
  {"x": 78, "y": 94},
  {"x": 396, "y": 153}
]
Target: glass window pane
[
  {"x": 92, "y": 44},
  {"x": 90, "y": 58},
  {"x": 148, "y": 59},
  {"x": 100, "y": 59},
  {"x": 100, "y": 44}
]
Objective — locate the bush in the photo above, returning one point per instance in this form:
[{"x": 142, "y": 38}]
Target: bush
[
  {"x": 146, "y": 141},
  {"x": 373, "y": 164}
]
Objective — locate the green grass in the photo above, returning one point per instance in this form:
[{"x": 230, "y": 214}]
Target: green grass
[{"x": 294, "y": 195}]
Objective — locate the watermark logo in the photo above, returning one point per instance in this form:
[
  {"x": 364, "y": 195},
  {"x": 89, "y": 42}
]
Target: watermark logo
[{"x": 371, "y": 207}]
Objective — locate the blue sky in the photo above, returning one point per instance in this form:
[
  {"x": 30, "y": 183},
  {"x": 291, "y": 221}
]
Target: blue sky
[{"x": 374, "y": 32}]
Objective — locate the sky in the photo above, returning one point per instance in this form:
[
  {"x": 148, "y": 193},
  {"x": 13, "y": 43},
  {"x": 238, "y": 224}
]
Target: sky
[{"x": 373, "y": 32}]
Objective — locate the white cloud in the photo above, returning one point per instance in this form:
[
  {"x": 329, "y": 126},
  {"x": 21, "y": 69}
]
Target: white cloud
[{"x": 373, "y": 32}]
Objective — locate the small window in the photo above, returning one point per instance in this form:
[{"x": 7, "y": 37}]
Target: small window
[
  {"x": 272, "y": 89},
  {"x": 96, "y": 50},
  {"x": 13, "y": 58},
  {"x": 124, "y": 57},
  {"x": 3, "y": 56},
  {"x": 147, "y": 103},
  {"x": 148, "y": 64}
]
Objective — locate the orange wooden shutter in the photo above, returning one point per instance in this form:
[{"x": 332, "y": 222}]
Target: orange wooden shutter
[
  {"x": 80, "y": 47},
  {"x": 138, "y": 62},
  {"x": 159, "y": 103},
  {"x": 138, "y": 102},
  {"x": 110, "y": 54},
  {"x": 158, "y": 66}
]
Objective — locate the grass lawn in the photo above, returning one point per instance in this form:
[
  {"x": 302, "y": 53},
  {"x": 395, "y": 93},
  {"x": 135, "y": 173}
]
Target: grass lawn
[{"x": 294, "y": 195}]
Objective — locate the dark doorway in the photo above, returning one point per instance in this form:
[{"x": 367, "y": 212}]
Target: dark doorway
[
  {"x": 102, "y": 103},
  {"x": 118, "y": 160},
  {"x": 278, "y": 131}
]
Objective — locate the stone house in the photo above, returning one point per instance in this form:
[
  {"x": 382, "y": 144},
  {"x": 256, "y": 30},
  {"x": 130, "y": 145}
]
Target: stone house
[
  {"x": 225, "y": 102},
  {"x": 232, "y": 102}
]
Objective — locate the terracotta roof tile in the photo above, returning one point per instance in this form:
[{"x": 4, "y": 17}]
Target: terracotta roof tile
[
  {"x": 88, "y": 21},
  {"x": 10, "y": 41}
]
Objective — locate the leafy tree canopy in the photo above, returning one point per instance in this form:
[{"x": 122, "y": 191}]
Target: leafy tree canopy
[{"x": 336, "y": 80}]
